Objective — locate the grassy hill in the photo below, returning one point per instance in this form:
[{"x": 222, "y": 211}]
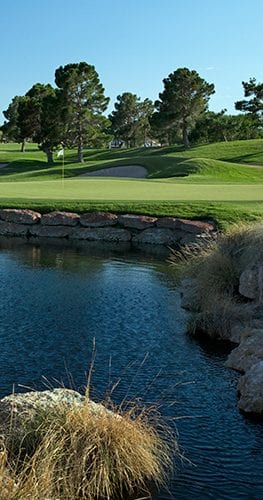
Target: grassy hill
[{"x": 223, "y": 181}]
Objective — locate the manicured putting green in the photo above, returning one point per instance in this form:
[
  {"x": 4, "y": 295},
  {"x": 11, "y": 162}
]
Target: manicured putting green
[{"x": 129, "y": 190}]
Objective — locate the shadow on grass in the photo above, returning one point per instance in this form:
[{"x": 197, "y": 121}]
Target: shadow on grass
[
  {"x": 4, "y": 148},
  {"x": 108, "y": 154},
  {"x": 18, "y": 166},
  {"x": 250, "y": 159}
]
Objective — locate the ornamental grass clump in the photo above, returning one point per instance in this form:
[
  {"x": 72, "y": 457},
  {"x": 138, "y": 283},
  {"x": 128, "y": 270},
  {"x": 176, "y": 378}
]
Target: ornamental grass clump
[
  {"x": 212, "y": 271},
  {"x": 90, "y": 452}
]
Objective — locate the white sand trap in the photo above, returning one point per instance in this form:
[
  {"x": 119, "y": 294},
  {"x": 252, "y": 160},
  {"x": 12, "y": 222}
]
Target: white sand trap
[
  {"x": 134, "y": 171},
  {"x": 3, "y": 165}
]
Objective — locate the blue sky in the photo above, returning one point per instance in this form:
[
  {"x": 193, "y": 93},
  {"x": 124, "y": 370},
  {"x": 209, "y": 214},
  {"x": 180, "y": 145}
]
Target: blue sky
[{"x": 133, "y": 44}]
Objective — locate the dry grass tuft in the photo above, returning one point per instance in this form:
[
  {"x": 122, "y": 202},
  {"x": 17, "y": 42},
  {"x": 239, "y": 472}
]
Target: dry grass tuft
[
  {"x": 219, "y": 317},
  {"x": 214, "y": 269},
  {"x": 91, "y": 455}
]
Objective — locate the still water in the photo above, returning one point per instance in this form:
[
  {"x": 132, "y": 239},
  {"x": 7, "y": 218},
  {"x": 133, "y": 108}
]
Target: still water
[{"x": 55, "y": 300}]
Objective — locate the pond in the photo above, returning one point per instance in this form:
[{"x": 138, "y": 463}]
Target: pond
[{"x": 56, "y": 299}]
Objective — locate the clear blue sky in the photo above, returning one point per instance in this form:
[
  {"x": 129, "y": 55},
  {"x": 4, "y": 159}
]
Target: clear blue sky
[{"x": 133, "y": 44}]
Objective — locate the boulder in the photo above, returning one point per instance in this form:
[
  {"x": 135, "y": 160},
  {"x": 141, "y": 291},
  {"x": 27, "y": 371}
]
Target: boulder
[
  {"x": 167, "y": 222},
  {"x": 193, "y": 238},
  {"x": 195, "y": 226},
  {"x": 237, "y": 332},
  {"x": 19, "y": 216},
  {"x": 249, "y": 351},
  {"x": 50, "y": 231},
  {"x": 158, "y": 236},
  {"x": 60, "y": 219},
  {"x": 191, "y": 226},
  {"x": 98, "y": 219},
  {"x": 17, "y": 409},
  {"x": 136, "y": 221},
  {"x": 110, "y": 234},
  {"x": 250, "y": 320},
  {"x": 13, "y": 229},
  {"x": 250, "y": 387},
  {"x": 251, "y": 283}
]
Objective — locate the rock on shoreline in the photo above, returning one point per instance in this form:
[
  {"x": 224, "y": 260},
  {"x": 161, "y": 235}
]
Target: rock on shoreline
[
  {"x": 247, "y": 356},
  {"x": 251, "y": 390},
  {"x": 18, "y": 409}
]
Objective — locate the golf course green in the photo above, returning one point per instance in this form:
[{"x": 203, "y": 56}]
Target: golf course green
[{"x": 223, "y": 181}]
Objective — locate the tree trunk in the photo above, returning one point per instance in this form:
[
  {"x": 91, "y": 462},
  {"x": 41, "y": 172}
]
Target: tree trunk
[
  {"x": 23, "y": 146},
  {"x": 80, "y": 150},
  {"x": 49, "y": 156},
  {"x": 145, "y": 135},
  {"x": 185, "y": 137}
]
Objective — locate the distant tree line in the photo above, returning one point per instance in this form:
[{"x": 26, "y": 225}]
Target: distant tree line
[{"x": 72, "y": 114}]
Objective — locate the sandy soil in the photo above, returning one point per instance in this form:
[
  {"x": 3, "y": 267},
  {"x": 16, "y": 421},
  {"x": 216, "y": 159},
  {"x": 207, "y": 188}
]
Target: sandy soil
[{"x": 134, "y": 171}]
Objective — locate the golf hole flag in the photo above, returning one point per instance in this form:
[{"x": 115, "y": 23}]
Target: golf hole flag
[{"x": 60, "y": 153}]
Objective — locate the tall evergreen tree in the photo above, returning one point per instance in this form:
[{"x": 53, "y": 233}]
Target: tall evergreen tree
[
  {"x": 130, "y": 121},
  {"x": 184, "y": 99},
  {"x": 124, "y": 118},
  {"x": 10, "y": 128},
  {"x": 145, "y": 110},
  {"x": 254, "y": 105},
  {"x": 39, "y": 118},
  {"x": 84, "y": 101}
]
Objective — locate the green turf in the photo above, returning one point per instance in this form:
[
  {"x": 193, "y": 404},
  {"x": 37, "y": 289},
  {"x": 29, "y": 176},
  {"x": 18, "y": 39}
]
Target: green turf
[
  {"x": 130, "y": 189},
  {"x": 206, "y": 181},
  {"x": 160, "y": 162}
]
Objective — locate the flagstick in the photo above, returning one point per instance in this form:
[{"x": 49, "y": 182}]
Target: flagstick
[
  {"x": 63, "y": 169},
  {"x": 61, "y": 152}
]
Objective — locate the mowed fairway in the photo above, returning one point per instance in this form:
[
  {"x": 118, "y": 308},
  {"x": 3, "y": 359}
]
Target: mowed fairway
[
  {"x": 129, "y": 190},
  {"x": 212, "y": 181}
]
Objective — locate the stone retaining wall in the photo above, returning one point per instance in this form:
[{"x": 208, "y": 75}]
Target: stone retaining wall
[{"x": 104, "y": 226}]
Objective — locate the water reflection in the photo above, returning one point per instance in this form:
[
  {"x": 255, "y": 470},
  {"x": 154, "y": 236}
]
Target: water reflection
[{"x": 55, "y": 299}]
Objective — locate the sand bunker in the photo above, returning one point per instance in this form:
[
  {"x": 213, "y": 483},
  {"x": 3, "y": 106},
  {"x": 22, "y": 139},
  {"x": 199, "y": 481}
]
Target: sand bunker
[{"x": 134, "y": 171}]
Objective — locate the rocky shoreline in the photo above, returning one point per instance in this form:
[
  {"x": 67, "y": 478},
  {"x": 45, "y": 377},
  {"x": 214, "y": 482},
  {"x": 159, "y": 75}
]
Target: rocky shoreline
[
  {"x": 103, "y": 226},
  {"x": 246, "y": 335}
]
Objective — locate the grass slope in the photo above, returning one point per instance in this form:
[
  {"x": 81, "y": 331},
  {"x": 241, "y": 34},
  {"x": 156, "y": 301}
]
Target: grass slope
[
  {"x": 160, "y": 162},
  {"x": 214, "y": 180}
]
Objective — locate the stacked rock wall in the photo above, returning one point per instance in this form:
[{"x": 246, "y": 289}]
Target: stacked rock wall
[{"x": 103, "y": 226}]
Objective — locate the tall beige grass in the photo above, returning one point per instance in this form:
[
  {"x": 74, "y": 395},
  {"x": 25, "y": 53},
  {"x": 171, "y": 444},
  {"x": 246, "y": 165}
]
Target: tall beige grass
[
  {"x": 214, "y": 269},
  {"x": 91, "y": 455}
]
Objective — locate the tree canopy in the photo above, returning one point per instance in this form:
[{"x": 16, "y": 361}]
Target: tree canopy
[
  {"x": 130, "y": 119},
  {"x": 217, "y": 127},
  {"x": 83, "y": 102},
  {"x": 254, "y": 105},
  {"x": 11, "y": 129},
  {"x": 73, "y": 113},
  {"x": 39, "y": 118},
  {"x": 184, "y": 99}
]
